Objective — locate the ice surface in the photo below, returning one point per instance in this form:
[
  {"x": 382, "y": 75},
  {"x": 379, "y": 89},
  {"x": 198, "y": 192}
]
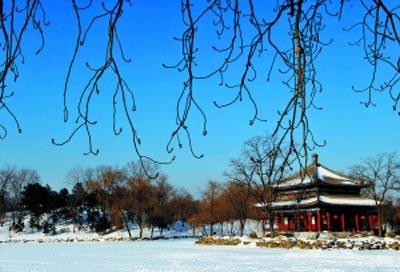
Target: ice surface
[{"x": 184, "y": 255}]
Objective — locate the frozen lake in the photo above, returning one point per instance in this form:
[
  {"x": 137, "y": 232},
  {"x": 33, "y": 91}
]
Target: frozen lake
[{"x": 184, "y": 255}]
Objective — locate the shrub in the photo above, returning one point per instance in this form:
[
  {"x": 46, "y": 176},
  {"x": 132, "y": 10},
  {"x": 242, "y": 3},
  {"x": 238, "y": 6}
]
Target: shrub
[
  {"x": 253, "y": 235},
  {"x": 391, "y": 234},
  {"x": 102, "y": 225},
  {"x": 395, "y": 246},
  {"x": 18, "y": 227},
  {"x": 220, "y": 242},
  {"x": 46, "y": 227}
]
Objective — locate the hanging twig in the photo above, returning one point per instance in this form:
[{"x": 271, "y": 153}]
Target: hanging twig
[{"x": 14, "y": 23}]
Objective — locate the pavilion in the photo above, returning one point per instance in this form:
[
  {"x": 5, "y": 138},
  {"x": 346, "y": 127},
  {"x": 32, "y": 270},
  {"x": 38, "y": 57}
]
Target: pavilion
[{"x": 322, "y": 199}]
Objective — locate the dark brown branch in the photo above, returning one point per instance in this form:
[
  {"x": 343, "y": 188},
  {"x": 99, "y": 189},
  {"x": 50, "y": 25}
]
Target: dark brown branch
[
  {"x": 122, "y": 98},
  {"x": 14, "y": 23}
]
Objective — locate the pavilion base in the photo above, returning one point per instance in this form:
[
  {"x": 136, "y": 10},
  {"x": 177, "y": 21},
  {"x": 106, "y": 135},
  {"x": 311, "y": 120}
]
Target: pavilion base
[{"x": 323, "y": 219}]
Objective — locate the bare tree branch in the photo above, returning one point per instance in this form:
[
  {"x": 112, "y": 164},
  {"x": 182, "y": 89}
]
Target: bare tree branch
[
  {"x": 14, "y": 23},
  {"x": 123, "y": 98},
  {"x": 380, "y": 40}
]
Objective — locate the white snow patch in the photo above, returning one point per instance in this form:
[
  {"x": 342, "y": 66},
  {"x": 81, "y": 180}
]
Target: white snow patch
[
  {"x": 290, "y": 202},
  {"x": 347, "y": 201},
  {"x": 296, "y": 181},
  {"x": 323, "y": 173}
]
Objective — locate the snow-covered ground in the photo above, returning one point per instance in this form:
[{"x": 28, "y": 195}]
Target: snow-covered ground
[
  {"x": 65, "y": 231},
  {"x": 185, "y": 255}
]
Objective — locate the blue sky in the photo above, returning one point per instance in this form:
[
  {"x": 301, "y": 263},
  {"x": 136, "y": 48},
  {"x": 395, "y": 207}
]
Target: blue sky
[{"x": 352, "y": 132}]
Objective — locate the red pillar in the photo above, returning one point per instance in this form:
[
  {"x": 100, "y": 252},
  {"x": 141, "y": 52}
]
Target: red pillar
[
  {"x": 342, "y": 221},
  {"x": 371, "y": 227},
  {"x": 278, "y": 222},
  {"x": 309, "y": 218},
  {"x": 319, "y": 220},
  {"x": 282, "y": 223},
  {"x": 357, "y": 220},
  {"x": 328, "y": 221}
]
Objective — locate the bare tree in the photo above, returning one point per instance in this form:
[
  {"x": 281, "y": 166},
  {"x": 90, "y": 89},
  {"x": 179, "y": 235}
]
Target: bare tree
[
  {"x": 111, "y": 190},
  {"x": 196, "y": 219},
  {"x": 240, "y": 202},
  {"x": 183, "y": 205},
  {"x": 79, "y": 179},
  {"x": 209, "y": 197},
  {"x": 7, "y": 175},
  {"x": 22, "y": 178},
  {"x": 260, "y": 166},
  {"x": 383, "y": 173},
  {"x": 161, "y": 214},
  {"x": 142, "y": 197}
]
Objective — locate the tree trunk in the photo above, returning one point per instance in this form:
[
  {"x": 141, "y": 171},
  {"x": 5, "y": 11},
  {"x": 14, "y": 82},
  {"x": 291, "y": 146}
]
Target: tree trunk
[
  {"x": 298, "y": 221},
  {"x": 151, "y": 232},
  {"x": 379, "y": 222},
  {"x": 242, "y": 222},
  {"x": 194, "y": 230},
  {"x": 73, "y": 225},
  {"x": 53, "y": 225},
  {"x": 13, "y": 217},
  {"x": 271, "y": 222},
  {"x": 140, "y": 231},
  {"x": 266, "y": 214},
  {"x": 211, "y": 229},
  {"x": 126, "y": 224},
  {"x": 221, "y": 229}
]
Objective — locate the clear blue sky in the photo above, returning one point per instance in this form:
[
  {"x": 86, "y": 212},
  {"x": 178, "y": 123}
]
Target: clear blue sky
[{"x": 352, "y": 132}]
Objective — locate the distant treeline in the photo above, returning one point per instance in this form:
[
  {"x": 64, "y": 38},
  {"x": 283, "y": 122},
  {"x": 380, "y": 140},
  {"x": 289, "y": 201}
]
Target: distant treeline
[{"x": 105, "y": 198}]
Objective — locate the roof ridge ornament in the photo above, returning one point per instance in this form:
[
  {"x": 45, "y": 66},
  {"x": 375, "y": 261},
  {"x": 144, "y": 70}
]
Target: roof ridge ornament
[{"x": 314, "y": 159}]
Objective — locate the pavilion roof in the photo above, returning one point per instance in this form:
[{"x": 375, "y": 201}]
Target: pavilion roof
[{"x": 318, "y": 173}]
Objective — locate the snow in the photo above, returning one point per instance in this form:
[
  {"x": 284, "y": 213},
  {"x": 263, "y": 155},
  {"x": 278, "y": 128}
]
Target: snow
[
  {"x": 326, "y": 199},
  {"x": 185, "y": 255},
  {"x": 65, "y": 233},
  {"x": 347, "y": 201},
  {"x": 296, "y": 181},
  {"x": 323, "y": 173},
  {"x": 290, "y": 202}
]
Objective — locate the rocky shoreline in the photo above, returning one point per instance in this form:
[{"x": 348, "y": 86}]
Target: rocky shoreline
[{"x": 323, "y": 243}]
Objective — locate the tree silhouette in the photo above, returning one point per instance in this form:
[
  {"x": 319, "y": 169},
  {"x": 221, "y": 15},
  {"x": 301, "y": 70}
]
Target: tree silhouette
[
  {"x": 382, "y": 172},
  {"x": 246, "y": 33}
]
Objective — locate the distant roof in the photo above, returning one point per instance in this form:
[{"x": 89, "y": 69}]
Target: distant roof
[{"x": 322, "y": 174}]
